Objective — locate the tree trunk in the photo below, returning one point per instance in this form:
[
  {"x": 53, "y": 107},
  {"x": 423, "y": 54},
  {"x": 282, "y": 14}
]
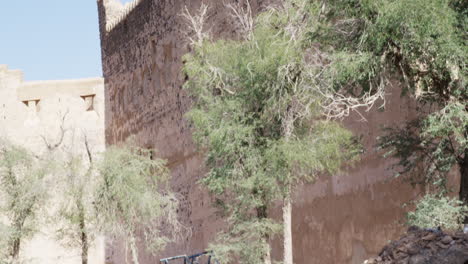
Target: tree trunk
[
  {"x": 288, "y": 128},
  {"x": 267, "y": 258},
  {"x": 83, "y": 231},
  {"x": 16, "y": 243},
  {"x": 262, "y": 214},
  {"x": 464, "y": 181},
  {"x": 133, "y": 249},
  {"x": 287, "y": 230},
  {"x": 15, "y": 250},
  {"x": 84, "y": 243}
]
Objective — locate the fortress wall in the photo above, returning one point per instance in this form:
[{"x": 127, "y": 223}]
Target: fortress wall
[
  {"x": 340, "y": 219},
  {"x": 31, "y": 111},
  {"x": 347, "y": 218},
  {"x": 144, "y": 97}
]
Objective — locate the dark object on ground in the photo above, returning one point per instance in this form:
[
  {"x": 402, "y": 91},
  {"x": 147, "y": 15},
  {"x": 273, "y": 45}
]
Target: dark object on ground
[
  {"x": 424, "y": 246},
  {"x": 193, "y": 259}
]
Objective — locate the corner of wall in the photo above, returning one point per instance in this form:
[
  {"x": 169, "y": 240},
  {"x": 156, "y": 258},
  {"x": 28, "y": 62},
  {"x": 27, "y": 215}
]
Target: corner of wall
[
  {"x": 16, "y": 75},
  {"x": 10, "y": 76},
  {"x": 3, "y": 67},
  {"x": 116, "y": 12}
]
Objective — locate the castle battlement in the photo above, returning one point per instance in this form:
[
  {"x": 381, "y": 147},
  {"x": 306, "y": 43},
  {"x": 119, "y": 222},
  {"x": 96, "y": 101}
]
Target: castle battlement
[
  {"x": 11, "y": 75},
  {"x": 12, "y": 80},
  {"x": 14, "y": 91},
  {"x": 38, "y": 90},
  {"x": 116, "y": 12}
]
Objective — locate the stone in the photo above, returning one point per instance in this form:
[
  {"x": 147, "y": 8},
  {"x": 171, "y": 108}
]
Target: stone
[
  {"x": 429, "y": 237},
  {"x": 426, "y": 247},
  {"x": 418, "y": 259},
  {"x": 446, "y": 239}
]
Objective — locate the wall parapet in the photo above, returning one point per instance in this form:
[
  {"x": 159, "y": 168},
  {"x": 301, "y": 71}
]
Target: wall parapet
[
  {"x": 40, "y": 89},
  {"x": 116, "y": 12},
  {"x": 11, "y": 73}
]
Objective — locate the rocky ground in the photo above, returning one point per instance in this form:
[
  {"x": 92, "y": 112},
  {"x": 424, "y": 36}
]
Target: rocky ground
[{"x": 423, "y": 246}]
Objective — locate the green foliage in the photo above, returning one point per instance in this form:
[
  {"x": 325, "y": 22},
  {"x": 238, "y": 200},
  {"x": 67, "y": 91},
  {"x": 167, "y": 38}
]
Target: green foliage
[
  {"x": 449, "y": 122},
  {"x": 427, "y": 149},
  {"x": 242, "y": 241},
  {"x": 75, "y": 219},
  {"x": 438, "y": 211},
  {"x": 258, "y": 115},
  {"x": 22, "y": 194},
  {"x": 323, "y": 150},
  {"x": 444, "y": 136},
  {"x": 365, "y": 43},
  {"x": 423, "y": 40},
  {"x": 132, "y": 197}
]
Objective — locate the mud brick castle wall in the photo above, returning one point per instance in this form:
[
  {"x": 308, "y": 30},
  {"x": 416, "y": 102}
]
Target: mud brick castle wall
[{"x": 340, "y": 219}]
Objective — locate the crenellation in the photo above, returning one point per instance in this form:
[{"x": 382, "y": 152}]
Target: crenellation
[
  {"x": 116, "y": 12},
  {"x": 14, "y": 75},
  {"x": 44, "y": 89}
]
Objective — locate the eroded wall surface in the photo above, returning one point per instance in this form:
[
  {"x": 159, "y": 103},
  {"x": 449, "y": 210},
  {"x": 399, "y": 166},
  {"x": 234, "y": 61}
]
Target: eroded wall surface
[
  {"x": 339, "y": 219},
  {"x": 34, "y": 115}
]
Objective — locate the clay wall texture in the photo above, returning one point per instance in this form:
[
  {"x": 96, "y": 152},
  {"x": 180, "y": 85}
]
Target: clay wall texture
[
  {"x": 340, "y": 219},
  {"x": 33, "y": 111}
]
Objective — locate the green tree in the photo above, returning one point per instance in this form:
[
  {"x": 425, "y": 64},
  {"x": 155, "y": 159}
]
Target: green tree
[
  {"x": 439, "y": 141},
  {"x": 258, "y": 114},
  {"x": 133, "y": 197},
  {"x": 22, "y": 196},
  {"x": 438, "y": 211},
  {"x": 118, "y": 192},
  {"x": 422, "y": 43},
  {"x": 75, "y": 218}
]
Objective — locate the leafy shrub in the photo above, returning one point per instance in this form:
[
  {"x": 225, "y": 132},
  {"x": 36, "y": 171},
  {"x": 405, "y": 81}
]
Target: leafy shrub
[{"x": 438, "y": 211}]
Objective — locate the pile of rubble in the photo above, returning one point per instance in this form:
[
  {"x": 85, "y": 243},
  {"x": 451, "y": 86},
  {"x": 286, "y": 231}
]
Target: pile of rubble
[{"x": 425, "y": 246}]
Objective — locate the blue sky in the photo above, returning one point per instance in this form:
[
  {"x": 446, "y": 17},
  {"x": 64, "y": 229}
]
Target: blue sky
[{"x": 51, "y": 39}]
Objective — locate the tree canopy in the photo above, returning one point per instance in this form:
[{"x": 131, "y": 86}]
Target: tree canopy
[{"x": 258, "y": 114}]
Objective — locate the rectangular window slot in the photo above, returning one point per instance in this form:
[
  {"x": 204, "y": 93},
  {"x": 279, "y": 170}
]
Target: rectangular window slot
[
  {"x": 89, "y": 102},
  {"x": 33, "y": 105}
]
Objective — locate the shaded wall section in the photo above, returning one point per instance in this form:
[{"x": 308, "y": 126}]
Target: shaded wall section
[{"x": 339, "y": 219}]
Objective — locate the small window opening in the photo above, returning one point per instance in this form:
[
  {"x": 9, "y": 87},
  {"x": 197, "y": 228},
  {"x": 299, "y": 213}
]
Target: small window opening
[
  {"x": 33, "y": 105},
  {"x": 89, "y": 102}
]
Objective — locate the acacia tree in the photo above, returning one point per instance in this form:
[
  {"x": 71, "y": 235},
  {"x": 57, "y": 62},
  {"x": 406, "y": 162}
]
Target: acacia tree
[
  {"x": 132, "y": 197},
  {"x": 22, "y": 195},
  {"x": 119, "y": 192},
  {"x": 75, "y": 218},
  {"x": 422, "y": 43},
  {"x": 258, "y": 113}
]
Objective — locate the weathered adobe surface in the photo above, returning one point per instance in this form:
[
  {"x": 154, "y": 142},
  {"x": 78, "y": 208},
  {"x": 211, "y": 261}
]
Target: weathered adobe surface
[
  {"x": 342, "y": 219},
  {"x": 423, "y": 246}
]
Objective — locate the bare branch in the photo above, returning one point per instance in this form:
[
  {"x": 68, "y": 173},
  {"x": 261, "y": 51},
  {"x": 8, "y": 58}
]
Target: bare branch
[
  {"x": 196, "y": 23},
  {"x": 243, "y": 15},
  {"x": 61, "y": 136},
  {"x": 339, "y": 106},
  {"x": 88, "y": 149}
]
